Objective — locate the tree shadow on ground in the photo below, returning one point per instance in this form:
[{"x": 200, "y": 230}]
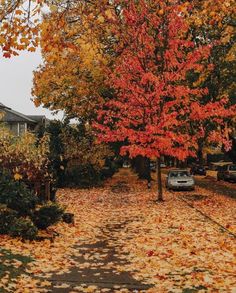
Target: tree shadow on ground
[
  {"x": 195, "y": 197},
  {"x": 97, "y": 265},
  {"x": 12, "y": 265}
]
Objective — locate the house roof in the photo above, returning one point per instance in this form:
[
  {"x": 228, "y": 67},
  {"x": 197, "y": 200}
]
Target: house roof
[
  {"x": 3, "y": 106},
  {"x": 14, "y": 116},
  {"x": 37, "y": 118}
]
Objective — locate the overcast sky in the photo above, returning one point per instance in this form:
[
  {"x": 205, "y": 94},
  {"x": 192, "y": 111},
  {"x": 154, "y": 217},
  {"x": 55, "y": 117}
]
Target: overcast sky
[{"x": 16, "y": 75}]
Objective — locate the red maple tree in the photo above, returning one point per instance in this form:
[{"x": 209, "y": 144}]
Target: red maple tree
[{"x": 155, "y": 109}]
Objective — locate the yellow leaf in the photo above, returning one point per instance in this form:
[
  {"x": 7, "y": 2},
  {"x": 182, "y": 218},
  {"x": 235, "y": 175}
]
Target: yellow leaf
[
  {"x": 2, "y": 40},
  {"x": 18, "y": 12},
  {"x": 31, "y": 49},
  {"x": 17, "y": 176}
]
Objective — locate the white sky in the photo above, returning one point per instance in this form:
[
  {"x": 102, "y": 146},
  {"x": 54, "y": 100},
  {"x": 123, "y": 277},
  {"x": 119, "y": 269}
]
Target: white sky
[{"x": 16, "y": 79}]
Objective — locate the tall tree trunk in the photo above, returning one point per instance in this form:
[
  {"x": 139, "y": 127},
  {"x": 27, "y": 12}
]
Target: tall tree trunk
[
  {"x": 232, "y": 153},
  {"x": 142, "y": 167},
  {"x": 159, "y": 182},
  {"x": 149, "y": 178},
  {"x": 175, "y": 163},
  {"x": 200, "y": 152}
]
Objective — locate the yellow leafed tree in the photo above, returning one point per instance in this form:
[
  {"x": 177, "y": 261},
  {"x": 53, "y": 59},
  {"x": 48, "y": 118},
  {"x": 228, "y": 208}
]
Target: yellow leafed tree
[
  {"x": 75, "y": 61},
  {"x": 25, "y": 157}
]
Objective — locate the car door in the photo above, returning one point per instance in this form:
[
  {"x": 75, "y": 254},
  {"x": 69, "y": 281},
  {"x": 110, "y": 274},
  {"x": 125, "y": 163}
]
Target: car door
[
  {"x": 167, "y": 180},
  {"x": 224, "y": 172},
  {"x": 220, "y": 174}
]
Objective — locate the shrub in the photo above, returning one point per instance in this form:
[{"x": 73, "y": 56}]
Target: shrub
[
  {"x": 107, "y": 172},
  {"x": 7, "y": 218},
  {"x": 16, "y": 195},
  {"x": 25, "y": 156},
  {"x": 84, "y": 176},
  {"x": 47, "y": 216},
  {"x": 70, "y": 144},
  {"x": 68, "y": 218},
  {"x": 23, "y": 228},
  {"x": 18, "y": 214}
]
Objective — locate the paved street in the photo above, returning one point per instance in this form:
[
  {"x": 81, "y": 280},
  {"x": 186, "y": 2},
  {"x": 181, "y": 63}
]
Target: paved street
[
  {"x": 225, "y": 188},
  {"x": 210, "y": 183}
]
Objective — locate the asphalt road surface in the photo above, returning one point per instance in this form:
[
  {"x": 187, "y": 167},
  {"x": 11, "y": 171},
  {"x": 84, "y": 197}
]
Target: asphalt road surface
[
  {"x": 210, "y": 183},
  {"x": 225, "y": 188}
]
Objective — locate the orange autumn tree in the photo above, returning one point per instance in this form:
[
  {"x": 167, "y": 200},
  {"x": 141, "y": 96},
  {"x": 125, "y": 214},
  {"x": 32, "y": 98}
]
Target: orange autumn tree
[
  {"x": 213, "y": 22},
  {"x": 20, "y": 20},
  {"x": 73, "y": 73},
  {"x": 19, "y": 25},
  {"x": 75, "y": 53},
  {"x": 215, "y": 14},
  {"x": 156, "y": 112}
]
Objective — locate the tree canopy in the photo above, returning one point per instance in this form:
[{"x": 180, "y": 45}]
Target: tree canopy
[{"x": 158, "y": 73}]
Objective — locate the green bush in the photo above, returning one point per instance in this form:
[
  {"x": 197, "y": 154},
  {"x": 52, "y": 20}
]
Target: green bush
[
  {"x": 16, "y": 196},
  {"x": 110, "y": 168},
  {"x": 7, "y": 218},
  {"x": 23, "y": 228},
  {"x": 47, "y": 216},
  {"x": 19, "y": 216},
  {"x": 83, "y": 176},
  {"x": 107, "y": 172}
]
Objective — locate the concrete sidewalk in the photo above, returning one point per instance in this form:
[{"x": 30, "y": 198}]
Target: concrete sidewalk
[{"x": 98, "y": 267}]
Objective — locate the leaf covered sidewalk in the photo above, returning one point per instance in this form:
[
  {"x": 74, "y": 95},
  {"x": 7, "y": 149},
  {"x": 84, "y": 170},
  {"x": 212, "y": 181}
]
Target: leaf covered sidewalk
[{"x": 123, "y": 241}]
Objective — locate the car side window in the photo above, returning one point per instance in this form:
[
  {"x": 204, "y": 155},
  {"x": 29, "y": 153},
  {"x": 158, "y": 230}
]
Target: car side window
[
  {"x": 171, "y": 175},
  {"x": 226, "y": 168},
  {"x": 232, "y": 168},
  {"x": 222, "y": 168}
]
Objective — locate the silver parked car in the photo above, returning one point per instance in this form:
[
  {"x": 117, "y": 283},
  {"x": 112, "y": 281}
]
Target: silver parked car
[
  {"x": 126, "y": 164},
  {"x": 227, "y": 173},
  {"x": 180, "y": 180}
]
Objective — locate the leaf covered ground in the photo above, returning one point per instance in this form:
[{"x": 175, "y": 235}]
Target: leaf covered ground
[{"x": 186, "y": 244}]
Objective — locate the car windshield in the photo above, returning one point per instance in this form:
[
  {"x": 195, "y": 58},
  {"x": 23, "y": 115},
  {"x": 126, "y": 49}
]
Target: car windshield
[
  {"x": 232, "y": 168},
  {"x": 179, "y": 174}
]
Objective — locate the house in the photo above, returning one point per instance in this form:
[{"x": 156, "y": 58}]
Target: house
[{"x": 19, "y": 123}]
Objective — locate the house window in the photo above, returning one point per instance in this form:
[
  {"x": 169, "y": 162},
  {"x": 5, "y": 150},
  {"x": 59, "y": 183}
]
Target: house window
[
  {"x": 14, "y": 128},
  {"x": 22, "y": 128}
]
